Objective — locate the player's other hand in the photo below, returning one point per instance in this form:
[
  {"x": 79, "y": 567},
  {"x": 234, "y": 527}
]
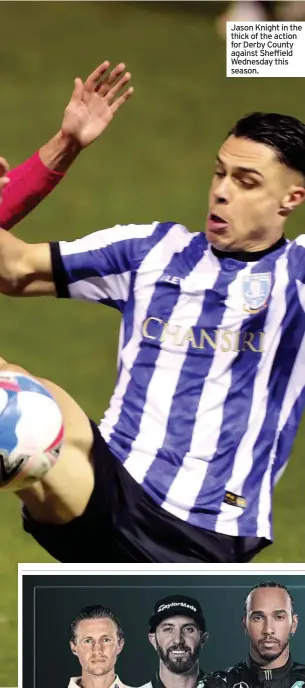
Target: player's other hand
[
  {"x": 4, "y": 180},
  {"x": 94, "y": 103}
]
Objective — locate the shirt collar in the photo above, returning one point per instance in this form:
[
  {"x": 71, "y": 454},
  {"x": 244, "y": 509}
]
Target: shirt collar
[
  {"x": 248, "y": 256},
  {"x": 75, "y": 682},
  {"x": 278, "y": 673}
]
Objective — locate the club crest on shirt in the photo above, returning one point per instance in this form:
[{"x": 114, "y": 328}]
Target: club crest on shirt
[
  {"x": 298, "y": 684},
  {"x": 256, "y": 290}
]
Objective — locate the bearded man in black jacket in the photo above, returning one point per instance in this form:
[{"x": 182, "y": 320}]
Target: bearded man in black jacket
[{"x": 269, "y": 621}]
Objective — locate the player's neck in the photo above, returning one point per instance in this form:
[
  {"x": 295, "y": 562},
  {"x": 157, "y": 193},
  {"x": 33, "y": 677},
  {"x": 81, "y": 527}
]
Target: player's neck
[
  {"x": 91, "y": 681},
  {"x": 276, "y": 663},
  {"x": 249, "y": 255},
  {"x": 171, "y": 680}
]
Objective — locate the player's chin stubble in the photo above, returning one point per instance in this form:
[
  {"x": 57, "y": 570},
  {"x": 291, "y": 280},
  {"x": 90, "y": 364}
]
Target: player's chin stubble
[
  {"x": 270, "y": 656},
  {"x": 179, "y": 665},
  {"x": 97, "y": 670}
]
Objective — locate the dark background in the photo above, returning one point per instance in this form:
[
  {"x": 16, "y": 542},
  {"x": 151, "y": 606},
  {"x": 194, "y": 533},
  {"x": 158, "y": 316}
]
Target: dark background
[{"x": 51, "y": 602}]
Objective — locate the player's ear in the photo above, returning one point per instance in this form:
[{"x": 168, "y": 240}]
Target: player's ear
[
  {"x": 294, "y": 197},
  {"x": 204, "y": 638},
  {"x": 295, "y": 621},
  {"x": 121, "y": 644},
  {"x": 152, "y": 639},
  {"x": 73, "y": 647},
  {"x": 244, "y": 625}
]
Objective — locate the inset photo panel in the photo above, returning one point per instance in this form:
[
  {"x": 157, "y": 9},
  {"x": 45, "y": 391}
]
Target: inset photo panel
[{"x": 168, "y": 630}]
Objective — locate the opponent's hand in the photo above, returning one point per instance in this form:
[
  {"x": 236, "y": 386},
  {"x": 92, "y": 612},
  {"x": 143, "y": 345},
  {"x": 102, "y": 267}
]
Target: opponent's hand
[
  {"x": 4, "y": 180},
  {"x": 94, "y": 103}
]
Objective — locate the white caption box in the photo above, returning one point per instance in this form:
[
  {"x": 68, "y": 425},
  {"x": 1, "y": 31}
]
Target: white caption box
[{"x": 265, "y": 49}]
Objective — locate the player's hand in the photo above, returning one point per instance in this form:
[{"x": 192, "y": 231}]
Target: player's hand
[
  {"x": 94, "y": 103},
  {"x": 4, "y": 180}
]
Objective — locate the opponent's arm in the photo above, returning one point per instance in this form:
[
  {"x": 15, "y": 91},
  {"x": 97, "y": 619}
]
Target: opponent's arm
[
  {"x": 96, "y": 267},
  {"x": 25, "y": 269},
  {"x": 89, "y": 111}
]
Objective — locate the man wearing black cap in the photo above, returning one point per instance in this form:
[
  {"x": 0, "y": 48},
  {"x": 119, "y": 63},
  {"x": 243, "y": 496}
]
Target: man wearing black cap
[
  {"x": 269, "y": 621},
  {"x": 177, "y": 632}
]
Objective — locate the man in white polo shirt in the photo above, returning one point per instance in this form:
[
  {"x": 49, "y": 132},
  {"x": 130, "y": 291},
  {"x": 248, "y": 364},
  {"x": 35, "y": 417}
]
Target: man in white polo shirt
[
  {"x": 97, "y": 639},
  {"x": 177, "y": 633}
]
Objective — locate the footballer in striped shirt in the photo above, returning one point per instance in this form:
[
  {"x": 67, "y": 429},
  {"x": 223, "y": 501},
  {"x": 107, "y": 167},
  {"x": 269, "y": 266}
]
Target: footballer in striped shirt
[{"x": 210, "y": 388}]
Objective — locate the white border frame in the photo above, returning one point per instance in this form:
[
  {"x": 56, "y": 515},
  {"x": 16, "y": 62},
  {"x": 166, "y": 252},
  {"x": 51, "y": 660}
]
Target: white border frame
[{"x": 144, "y": 570}]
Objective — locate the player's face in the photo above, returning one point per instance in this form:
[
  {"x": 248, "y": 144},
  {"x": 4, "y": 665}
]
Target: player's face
[
  {"x": 251, "y": 194},
  {"x": 97, "y": 645},
  {"x": 178, "y": 642},
  {"x": 269, "y": 624}
]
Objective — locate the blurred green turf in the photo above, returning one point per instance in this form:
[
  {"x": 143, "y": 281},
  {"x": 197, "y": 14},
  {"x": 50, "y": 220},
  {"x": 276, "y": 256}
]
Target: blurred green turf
[{"x": 154, "y": 163}]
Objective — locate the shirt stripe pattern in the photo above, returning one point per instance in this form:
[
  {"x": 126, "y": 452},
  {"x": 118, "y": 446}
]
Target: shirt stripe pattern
[{"x": 210, "y": 386}]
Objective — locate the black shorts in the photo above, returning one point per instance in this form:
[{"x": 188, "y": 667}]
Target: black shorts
[{"x": 122, "y": 524}]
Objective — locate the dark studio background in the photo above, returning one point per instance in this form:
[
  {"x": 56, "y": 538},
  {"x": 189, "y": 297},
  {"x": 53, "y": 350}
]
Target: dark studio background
[{"x": 51, "y": 602}]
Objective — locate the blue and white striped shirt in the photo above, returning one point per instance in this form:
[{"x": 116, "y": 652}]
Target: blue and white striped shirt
[{"x": 211, "y": 367}]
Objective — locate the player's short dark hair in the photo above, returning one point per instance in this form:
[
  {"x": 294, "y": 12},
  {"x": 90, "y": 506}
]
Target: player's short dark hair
[
  {"x": 270, "y": 584},
  {"x": 95, "y": 612},
  {"x": 283, "y": 133}
]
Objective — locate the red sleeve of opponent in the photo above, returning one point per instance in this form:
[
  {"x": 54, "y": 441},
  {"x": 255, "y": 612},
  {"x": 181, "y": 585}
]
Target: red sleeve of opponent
[{"x": 30, "y": 183}]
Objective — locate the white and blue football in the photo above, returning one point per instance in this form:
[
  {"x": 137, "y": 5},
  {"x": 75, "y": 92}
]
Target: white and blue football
[{"x": 31, "y": 430}]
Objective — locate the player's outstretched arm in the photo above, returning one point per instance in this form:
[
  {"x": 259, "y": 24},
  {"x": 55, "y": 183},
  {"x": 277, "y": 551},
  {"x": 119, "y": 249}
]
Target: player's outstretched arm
[
  {"x": 93, "y": 105},
  {"x": 25, "y": 269},
  {"x": 91, "y": 108}
]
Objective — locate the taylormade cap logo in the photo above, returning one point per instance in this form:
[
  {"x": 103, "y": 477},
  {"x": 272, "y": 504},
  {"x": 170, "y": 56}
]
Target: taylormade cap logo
[{"x": 176, "y": 604}]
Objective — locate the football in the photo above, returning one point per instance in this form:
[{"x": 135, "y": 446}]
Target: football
[{"x": 31, "y": 430}]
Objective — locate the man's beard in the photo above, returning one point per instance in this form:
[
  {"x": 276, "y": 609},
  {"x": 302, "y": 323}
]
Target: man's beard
[
  {"x": 178, "y": 665},
  {"x": 269, "y": 656}
]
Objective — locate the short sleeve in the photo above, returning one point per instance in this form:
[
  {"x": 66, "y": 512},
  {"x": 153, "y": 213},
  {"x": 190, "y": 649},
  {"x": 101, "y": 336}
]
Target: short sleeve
[{"x": 98, "y": 267}]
